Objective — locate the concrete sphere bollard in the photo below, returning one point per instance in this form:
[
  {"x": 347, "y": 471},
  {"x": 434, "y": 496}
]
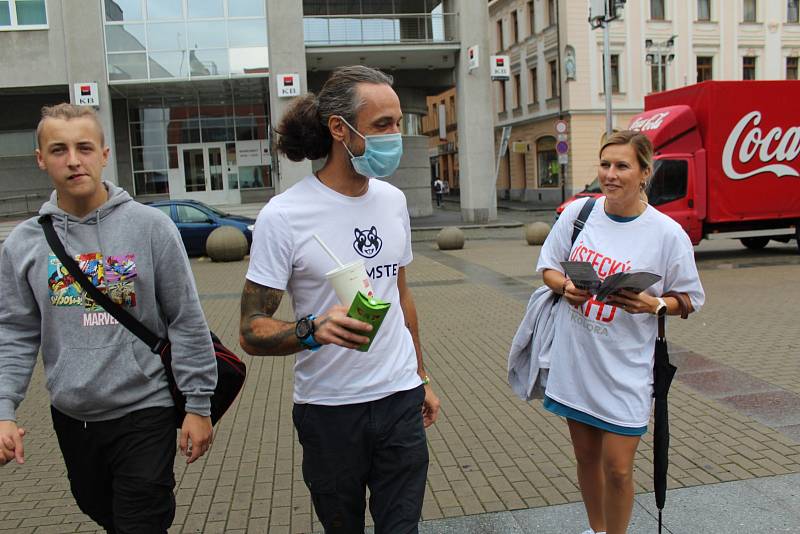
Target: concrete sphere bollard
[
  {"x": 226, "y": 243},
  {"x": 450, "y": 238},
  {"x": 536, "y": 233}
]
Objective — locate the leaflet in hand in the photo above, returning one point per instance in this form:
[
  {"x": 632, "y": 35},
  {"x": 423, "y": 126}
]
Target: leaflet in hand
[{"x": 583, "y": 275}]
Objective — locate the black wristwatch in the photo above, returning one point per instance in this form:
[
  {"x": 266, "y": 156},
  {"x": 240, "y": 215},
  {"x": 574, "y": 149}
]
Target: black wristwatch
[{"x": 304, "y": 331}]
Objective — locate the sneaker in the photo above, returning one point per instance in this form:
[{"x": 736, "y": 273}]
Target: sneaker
[{"x": 590, "y": 531}]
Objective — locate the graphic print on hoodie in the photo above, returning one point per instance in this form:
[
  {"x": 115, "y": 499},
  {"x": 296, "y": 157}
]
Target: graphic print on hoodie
[{"x": 113, "y": 275}]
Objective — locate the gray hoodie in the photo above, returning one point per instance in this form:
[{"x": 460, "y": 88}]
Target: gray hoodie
[{"x": 96, "y": 369}]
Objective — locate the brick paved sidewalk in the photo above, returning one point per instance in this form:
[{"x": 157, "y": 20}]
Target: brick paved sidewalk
[{"x": 489, "y": 451}]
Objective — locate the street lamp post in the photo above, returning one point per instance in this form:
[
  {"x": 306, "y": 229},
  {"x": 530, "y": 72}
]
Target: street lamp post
[
  {"x": 601, "y": 13},
  {"x": 660, "y": 54}
]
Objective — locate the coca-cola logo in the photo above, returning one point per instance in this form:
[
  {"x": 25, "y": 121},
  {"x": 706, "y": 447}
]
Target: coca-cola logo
[
  {"x": 652, "y": 122},
  {"x": 775, "y": 145}
]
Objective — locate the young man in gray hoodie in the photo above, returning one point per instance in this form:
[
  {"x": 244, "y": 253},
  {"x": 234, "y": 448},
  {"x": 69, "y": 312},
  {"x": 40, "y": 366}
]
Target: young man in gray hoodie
[{"x": 112, "y": 411}]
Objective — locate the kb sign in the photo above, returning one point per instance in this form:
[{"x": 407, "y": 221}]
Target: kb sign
[{"x": 86, "y": 94}]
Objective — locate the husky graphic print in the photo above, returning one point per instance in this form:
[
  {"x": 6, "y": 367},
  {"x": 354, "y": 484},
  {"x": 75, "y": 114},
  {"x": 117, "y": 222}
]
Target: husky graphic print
[{"x": 367, "y": 242}]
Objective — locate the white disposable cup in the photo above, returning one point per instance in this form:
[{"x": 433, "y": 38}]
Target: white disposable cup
[{"x": 349, "y": 279}]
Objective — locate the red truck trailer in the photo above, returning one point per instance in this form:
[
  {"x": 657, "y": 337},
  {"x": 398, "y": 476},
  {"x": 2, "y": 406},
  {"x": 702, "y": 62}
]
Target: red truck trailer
[{"x": 727, "y": 159}]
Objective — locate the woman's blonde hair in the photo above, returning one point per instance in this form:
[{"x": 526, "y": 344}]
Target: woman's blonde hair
[{"x": 642, "y": 147}]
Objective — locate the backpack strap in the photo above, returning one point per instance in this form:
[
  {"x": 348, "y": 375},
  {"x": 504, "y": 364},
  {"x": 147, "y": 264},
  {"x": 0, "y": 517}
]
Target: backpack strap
[{"x": 580, "y": 221}]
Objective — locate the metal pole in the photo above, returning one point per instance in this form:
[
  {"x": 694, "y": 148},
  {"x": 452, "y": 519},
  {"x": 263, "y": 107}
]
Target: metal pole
[
  {"x": 563, "y": 177},
  {"x": 660, "y": 78},
  {"x": 607, "y": 76}
]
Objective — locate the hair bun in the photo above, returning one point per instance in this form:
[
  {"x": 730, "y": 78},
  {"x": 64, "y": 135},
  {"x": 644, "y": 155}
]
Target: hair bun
[{"x": 301, "y": 134}]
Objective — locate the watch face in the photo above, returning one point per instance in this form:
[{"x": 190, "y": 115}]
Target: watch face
[
  {"x": 661, "y": 310},
  {"x": 303, "y": 329}
]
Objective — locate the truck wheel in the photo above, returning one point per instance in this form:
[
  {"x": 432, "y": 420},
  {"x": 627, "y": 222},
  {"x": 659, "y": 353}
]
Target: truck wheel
[{"x": 755, "y": 243}]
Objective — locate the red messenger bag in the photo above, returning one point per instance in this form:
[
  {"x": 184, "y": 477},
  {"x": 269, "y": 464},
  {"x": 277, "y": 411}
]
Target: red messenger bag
[{"x": 231, "y": 371}]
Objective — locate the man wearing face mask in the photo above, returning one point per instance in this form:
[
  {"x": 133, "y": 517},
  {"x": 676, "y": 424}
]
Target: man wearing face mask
[{"x": 360, "y": 416}]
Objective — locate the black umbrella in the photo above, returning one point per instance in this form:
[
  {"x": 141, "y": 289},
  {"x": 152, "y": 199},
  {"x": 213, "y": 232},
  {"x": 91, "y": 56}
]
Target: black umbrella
[{"x": 663, "y": 373}]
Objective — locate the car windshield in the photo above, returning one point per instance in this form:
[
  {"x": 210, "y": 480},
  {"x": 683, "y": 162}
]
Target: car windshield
[{"x": 593, "y": 187}]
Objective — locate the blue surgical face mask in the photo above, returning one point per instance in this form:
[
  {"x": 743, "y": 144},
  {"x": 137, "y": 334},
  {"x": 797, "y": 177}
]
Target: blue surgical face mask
[{"x": 381, "y": 155}]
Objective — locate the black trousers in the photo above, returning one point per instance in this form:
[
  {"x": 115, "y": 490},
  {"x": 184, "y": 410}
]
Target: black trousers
[
  {"x": 121, "y": 471},
  {"x": 380, "y": 445}
]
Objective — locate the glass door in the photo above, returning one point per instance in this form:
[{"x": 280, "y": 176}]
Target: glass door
[
  {"x": 194, "y": 169},
  {"x": 203, "y": 168}
]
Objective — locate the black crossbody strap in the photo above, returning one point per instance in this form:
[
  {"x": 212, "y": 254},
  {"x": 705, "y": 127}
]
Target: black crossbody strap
[
  {"x": 127, "y": 320},
  {"x": 580, "y": 221}
]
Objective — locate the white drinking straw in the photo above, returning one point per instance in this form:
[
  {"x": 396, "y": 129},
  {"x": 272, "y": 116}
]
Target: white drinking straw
[{"x": 329, "y": 251}]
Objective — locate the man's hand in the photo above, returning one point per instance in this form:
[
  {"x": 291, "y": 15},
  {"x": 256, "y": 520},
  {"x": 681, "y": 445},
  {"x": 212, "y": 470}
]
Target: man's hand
[
  {"x": 197, "y": 434},
  {"x": 334, "y": 326},
  {"x": 430, "y": 407},
  {"x": 11, "y": 442}
]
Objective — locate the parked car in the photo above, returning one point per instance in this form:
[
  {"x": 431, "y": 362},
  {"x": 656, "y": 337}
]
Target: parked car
[
  {"x": 590, "y": 190},
  {"x": 196, "y": 221}
]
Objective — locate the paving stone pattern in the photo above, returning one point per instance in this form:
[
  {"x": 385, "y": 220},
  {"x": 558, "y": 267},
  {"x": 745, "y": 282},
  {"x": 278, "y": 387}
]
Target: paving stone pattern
[{"x": 489, "y": 451}]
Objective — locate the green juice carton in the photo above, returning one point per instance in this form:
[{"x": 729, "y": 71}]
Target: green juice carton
[{"x": 368, "y": 310}]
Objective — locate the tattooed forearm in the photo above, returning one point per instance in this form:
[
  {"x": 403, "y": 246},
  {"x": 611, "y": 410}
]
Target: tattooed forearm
[
  {"x": 259, "y": 301},
  {"x": 259, "y": 332}
]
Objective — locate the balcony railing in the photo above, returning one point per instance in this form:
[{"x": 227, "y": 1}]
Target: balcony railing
[{"x": 388, "y": 28}]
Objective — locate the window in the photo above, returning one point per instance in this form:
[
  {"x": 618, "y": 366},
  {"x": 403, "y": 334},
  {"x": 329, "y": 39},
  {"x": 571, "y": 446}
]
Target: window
[
  {"x": 749, "y": 9},
  {"x": 791, "y": 68},
  {"x": 166, "y": 210},
  {"x": 517, "y": 90},
  {"x": 501, "y": 98},
  {"x": 547, "y": 161},
  {"x": 704, "y": 68},
  {"x": 657, "y": 10},
  {"x": 17, "y": 143},
  {"x": 658, "y": 83},
  {"x": 533, "y": 87},
  {"x": 500, "y": 35},
  {"x": 551, "y": 13},
  {"x": 614, "y": 72},
  {"x": 514, "y": 27},
  {"x": 179, "y": 39},
  {"x": 189, "y": 214},
  {"x": 749, "y": 68},
  {"x": 670, "y": 177},
  {"x": 23, "y": 14},
  {"x": 553, "y": 65},
  {"x": 703, "y": 9},
  {"x": 792, "y": 11},
  {"x": 531, "y": 20}
]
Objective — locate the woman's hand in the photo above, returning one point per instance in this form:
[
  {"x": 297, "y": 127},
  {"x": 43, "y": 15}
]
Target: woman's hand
[
  {"x": 575, "y": 296},
  {"x": 633, "y": 302}
]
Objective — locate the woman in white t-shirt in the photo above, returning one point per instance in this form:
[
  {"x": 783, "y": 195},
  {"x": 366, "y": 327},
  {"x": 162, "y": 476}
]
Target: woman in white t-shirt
[{"x": 600, "y": 377}]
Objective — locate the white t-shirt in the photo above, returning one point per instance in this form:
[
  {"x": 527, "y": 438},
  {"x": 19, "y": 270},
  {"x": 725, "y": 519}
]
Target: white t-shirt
[
  {"x": 374, "y": 227},
  {"x": 602, "y": 360}
]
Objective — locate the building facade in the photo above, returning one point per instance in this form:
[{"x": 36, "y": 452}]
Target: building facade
[
  {"x": 557, "y": 72},
  {"x": 441, "y": 126},
  {"x": 189, "y": 91}
]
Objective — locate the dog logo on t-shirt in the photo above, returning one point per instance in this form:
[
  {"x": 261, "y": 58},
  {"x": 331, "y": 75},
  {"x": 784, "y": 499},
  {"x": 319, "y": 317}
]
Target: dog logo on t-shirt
[{"x": 367, "y": 242}]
